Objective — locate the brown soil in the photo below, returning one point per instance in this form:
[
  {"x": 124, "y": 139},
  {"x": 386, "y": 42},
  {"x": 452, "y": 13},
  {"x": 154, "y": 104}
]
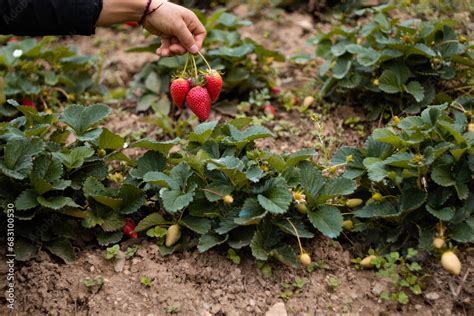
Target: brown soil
[{"x": 191, "y": 283}]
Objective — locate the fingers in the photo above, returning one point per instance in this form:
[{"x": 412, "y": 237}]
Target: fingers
[
  {"x": 186, "y": 38},
  {"x": 196, "y": 28},
  {"x": 164, "y": 50}
]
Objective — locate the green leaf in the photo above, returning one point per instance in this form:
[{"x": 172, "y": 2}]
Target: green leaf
[
  {"x": 112, "y": 202},
  {"x": 132, "y": 199},
  {"x": 163, "y": 147},
  {"x": 63, "y": 249},
  {"x": 156, "y": 232},
  {"x": 444, "y": 214},
  {"x": 251, "y": 213},
  {"x": 17, "y": 161},
  {"x": 342, "y": 67},
  {"x": 109, "y": 140},
  {"x": 462, "y": 232},
  {"x": 412, "y": 199},
  {"x": 25, "y": 250},
  {"x": 368, "y": 57},
  {"x": 286, "y": 255},
  {"x": 303, "y": 154},
  {"x": 338, "y": 186},
  {"x": 328, "y": 220},
  {"x": 312, "y": 180},
  {"x": 176, "y": 200},
  {"x": 113, "y": 221},
  {"x": 149, "y": 162},
  {"x": 442, "y": 176},
  {"x": 240, "y": 139},
  {"x": 56, "y": 202},
  {"x": 221, "y": 188},
  {"x": 81, "y": 118},
  {"x": 277, "y": 198},
  {"x": 210, "y": 240},
  {"x": 301, "y": 228},
  {"x": 416, "y": 90},
  {"x": 202, "y": 132},
  {"x": 383, "y": 209},
  {"x": 198, "y": 225},
  {"x": 149, "y": 221},
  {"x": 75, "y": 158},
  {"x": 26, "y": 200},
  {"x": 264, "y": 240},
  {"x": 105, "y": 238}
]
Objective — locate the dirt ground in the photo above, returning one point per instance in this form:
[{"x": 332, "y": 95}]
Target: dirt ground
[{"x": 190, "y": 283}]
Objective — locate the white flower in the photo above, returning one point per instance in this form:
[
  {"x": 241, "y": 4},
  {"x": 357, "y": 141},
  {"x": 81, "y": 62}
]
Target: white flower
[
  {"x": 125, "y": 145},
  {"x": 299, "y": 197},
  {"x": 17, "y": 53}
]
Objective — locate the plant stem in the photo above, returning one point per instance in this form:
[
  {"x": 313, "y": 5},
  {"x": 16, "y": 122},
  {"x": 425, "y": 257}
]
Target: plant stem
[
  {"x": 297, "y": 236},
  {"x": 202, "y": 56},
  {"x": 185, "y": 65},
  {"x": 213, "y": 192},
  {"x": 195, "y": 67}
]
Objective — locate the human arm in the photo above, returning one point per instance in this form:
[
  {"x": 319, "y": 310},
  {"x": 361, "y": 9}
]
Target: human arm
[{"x": 179, "y": 28}]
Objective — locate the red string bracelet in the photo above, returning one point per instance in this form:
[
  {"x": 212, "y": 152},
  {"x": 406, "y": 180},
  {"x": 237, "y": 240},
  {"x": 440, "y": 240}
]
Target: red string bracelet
[{"x": 148, "y": 12}]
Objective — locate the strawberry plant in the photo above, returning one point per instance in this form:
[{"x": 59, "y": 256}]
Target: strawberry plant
[
  {"x": 39, "y": 74},
  {"x": 54, "y": 170},
  {"x": 245, "y": 64},
  {"x": 416, "y": 180},
  {"x": 390, "y": 65},
  {"x": 219, "y": 189}
]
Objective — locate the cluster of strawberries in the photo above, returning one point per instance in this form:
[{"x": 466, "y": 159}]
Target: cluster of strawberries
[{"x": 198, "y": 92}]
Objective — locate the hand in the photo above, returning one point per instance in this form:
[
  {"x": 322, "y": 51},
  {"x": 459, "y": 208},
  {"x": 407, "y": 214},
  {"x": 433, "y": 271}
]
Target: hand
[{"x": 179, "y": 28}]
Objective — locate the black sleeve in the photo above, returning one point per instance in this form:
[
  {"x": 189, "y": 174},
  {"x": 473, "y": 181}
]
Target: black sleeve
[{"x": 49, "y": 17}]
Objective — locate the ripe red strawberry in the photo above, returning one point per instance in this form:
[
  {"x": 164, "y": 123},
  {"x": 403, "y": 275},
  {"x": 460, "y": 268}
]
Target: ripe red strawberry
[
  {"x": 269, "y": 109},
  {"x": 129, "y": 227},
  {"x": 179, "y": 90},
  {"x": 28, "y": 102},
  {"x": 214, "y": 84},
  {"x": 276, "y": 90},
  {"x": 132, "y": 24},
  {"x": 199, "y": 102},
  {"x": 296, "y": 100}
]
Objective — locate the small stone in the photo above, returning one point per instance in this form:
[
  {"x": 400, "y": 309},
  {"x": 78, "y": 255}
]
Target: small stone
[
  {"x": 91, "y": 269},
  {"x": 334, "y": 297},
  {"x": 252, "y": 302},
  {"x": 418, "y": 307},
  {"x": 433, "y": 296},
  {"x": 119, "y": 264},
  {"x": 378, "y": 288},
  {"x": 277, "y": 310}
]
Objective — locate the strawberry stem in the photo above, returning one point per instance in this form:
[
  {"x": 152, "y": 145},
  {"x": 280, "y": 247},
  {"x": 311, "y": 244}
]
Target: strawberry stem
[
  {"x": 203, "y": 58},
  {"x": 297, "y": 236},
  {"x": 195, "y": 67},
  {"x": 185, "y": 66}
]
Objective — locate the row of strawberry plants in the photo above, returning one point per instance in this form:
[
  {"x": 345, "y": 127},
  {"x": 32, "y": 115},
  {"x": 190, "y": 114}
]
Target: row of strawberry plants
[
  {"x": 40, "y": 74},
  {"x": 388, "y": 65},
  {"x": 411, "y": 182}
]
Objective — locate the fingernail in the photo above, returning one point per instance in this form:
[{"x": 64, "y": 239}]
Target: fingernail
[{"x": 194, "y": 49}]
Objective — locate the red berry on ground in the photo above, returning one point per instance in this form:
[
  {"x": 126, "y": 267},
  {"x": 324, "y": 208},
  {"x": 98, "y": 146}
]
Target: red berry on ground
[
  {"x": 276, "y": 90},
  {"x": 269, "y": 109},
  {"x": 132, "y": 24},
  {"x": 179, "y": 90},
  {"x": 28, "y": 102},
  {"x": 296, "y": 100},
  {"x": 199, "y": 102},
  {"x": 214, "y": 84}
]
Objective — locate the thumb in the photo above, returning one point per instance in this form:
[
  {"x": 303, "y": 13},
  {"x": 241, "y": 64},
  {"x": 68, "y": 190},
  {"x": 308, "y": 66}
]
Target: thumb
[{"x": 186, "y": 38}]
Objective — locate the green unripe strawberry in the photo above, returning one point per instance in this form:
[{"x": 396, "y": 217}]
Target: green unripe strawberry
[
  {"x": 354, "y": 202},
  {"x": 173, "y": 235},
  {"x": 302, "y": 208},
  {"x": 347, "y": 225}
]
